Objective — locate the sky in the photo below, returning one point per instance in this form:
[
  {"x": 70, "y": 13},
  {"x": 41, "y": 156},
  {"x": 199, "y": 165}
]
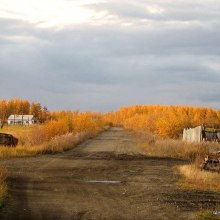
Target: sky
[{"x": 100, "y": 55}]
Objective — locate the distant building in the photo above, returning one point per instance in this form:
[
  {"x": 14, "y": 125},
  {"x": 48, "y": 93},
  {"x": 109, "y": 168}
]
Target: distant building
[
  {"x": 199, "y": 134},
  {"x": 21, "y": 120},
  {"x": 193, "y": 134}
]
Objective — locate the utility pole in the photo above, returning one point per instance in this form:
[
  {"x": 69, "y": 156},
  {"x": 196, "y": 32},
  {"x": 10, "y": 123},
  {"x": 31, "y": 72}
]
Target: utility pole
[
  {"x": 4, "y": 112},
  {"x": 6, "y": 118},
  {"x": 22, "y": 116}
]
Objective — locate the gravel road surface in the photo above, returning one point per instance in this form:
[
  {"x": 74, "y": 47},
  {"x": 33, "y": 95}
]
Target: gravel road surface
[{"x": 107, "y": 177}]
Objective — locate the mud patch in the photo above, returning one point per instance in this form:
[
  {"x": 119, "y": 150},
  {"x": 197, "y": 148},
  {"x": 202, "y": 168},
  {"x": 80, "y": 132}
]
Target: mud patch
[{"x": 114, "y": 156}]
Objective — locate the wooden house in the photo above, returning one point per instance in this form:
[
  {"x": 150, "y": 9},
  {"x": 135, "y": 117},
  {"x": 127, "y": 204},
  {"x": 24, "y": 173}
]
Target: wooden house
[{"x": 21, "y": 120}]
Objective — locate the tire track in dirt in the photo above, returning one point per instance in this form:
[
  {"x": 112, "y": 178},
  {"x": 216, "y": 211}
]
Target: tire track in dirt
[{"x": 104, "y": 178}]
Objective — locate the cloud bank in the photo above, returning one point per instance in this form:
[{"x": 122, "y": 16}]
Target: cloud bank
[{"x": 101, "y": 55}]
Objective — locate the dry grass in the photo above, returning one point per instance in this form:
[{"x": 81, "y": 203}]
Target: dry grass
[
  {"x": 163, "y": 147},
  {"x": 194, "y": 178},
  {"x": 57, "y": 144},
  {"x": 208, "y": 215},
  {"x": 65, "y": 142},
  {"x": 51, "y": 137}
]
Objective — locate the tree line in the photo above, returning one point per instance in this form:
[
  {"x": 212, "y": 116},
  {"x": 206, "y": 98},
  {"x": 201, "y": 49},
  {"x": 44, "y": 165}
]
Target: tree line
[
  {"x": 165, "y": 121},
  {"x": 58, "y": 122},
  {"x": 23, "y": 107}
]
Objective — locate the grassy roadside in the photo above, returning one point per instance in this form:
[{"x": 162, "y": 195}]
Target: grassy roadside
[
  {"x": 55, "y": 145},
  {"x": 153, "y": 145},
  {"x": 44, "y": 139},
  {"x": 194, "y": 178},
  {"x": 208, "y": 215}
]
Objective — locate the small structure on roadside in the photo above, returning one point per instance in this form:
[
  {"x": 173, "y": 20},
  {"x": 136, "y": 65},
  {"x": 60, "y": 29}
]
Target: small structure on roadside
[
  {"x": 199, "y": 134},
  {"x": 8, "y": 140},
  {"x": 21, "y": 120},
  {"x": 211, "y": 162}
]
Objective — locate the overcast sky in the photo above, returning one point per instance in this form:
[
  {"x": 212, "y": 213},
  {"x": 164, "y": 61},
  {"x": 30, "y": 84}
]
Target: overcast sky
[{"x": 100, "y": 55}]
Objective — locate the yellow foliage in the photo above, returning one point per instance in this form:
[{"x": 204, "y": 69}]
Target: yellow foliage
[
  {"x": 64, "y": 132},
  {"x": 84, "y": 122},
  {"x": 54, "y": 128},
  {"x": 165, "y": 121}
]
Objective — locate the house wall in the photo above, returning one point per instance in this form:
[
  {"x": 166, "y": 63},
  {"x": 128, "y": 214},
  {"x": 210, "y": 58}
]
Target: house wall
[
  {"x": 19, "y": 122},
  {"x": 193, "y": 134}
]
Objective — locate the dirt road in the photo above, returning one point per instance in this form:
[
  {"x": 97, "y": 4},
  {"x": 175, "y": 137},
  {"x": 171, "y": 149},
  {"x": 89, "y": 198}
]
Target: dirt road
[{"x": 104, "y": 178}]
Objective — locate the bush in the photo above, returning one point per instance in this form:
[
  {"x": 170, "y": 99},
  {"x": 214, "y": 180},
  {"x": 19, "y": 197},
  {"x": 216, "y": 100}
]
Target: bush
[{"x": 54, "y": 128}]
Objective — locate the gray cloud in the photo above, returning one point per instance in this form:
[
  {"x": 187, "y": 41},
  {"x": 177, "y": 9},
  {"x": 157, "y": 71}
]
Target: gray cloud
[
  {"x": 91, "y": 67},
  {"x": 169, "y": 11}
]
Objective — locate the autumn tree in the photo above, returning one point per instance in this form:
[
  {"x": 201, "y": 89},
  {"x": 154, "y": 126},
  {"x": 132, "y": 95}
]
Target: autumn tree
[
  {"x": 36, "y": 110},
  {"x": 166, "y": 121},
  {"x": 3, "y": 109}
]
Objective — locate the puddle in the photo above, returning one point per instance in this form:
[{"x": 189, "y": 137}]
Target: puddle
[
  {"x": 99, "y": 181},
  {"x": 103, "y": 181}
]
